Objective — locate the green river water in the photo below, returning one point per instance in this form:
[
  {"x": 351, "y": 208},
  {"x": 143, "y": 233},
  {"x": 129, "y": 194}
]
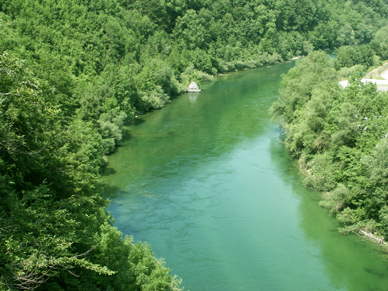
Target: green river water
[{"x": 206, "y": 182}]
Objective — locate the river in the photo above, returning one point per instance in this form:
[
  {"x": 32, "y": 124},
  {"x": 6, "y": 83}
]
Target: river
[{"x": 207, "y": 183}]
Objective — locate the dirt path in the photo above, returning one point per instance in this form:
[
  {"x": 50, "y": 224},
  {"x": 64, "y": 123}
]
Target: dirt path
[
  {"x": 384, "y": 74},
  {"x": 377, "y": 74}
]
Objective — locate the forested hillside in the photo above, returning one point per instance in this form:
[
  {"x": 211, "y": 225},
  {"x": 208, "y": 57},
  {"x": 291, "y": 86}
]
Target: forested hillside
[{"x": 72, "y": 72}]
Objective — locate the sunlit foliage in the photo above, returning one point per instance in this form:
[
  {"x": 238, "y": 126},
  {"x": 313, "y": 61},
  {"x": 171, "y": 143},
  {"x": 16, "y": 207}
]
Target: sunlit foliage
[{"x": 73, "y": 72}]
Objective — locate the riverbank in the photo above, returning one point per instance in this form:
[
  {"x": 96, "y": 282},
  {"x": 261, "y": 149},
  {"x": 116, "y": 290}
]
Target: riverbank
[
  {"x": 378, "y": 76},
  {"x": 380, "y": 72},
  {"x": 338, "y": 137}
]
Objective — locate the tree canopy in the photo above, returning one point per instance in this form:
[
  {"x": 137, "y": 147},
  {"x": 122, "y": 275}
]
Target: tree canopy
[{"x": 72, "y": 72}]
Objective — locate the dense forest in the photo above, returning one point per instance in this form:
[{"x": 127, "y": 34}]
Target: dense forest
[{"x": 73, "y": 72}]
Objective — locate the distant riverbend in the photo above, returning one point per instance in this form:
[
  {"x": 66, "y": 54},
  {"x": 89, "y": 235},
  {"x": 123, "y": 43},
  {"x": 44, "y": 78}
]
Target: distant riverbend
[{"x": 207, "y": 183}]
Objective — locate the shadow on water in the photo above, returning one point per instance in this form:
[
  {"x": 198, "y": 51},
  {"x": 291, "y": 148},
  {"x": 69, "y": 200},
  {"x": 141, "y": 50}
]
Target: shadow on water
[
  {"x": 137, "y": 121},
  {"x": 111, "y": 191},
  {"x": 109, "y": 171},
  {"x": 351, "y": 262},
  {"x": 373, "y": 272}
]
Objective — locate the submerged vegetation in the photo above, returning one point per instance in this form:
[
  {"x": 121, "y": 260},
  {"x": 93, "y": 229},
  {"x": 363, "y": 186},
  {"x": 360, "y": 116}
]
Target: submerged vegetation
[{"x": 72, "y": 72}]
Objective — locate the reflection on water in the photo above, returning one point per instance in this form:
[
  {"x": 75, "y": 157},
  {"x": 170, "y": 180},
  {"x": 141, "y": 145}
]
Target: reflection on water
[
  {"x": 206, "y": 182},
  {"x": 193, "y": 97}
]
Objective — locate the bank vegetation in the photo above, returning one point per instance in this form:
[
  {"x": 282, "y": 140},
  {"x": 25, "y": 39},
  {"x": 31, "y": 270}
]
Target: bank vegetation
[
  {"x": 73, "y": 72},
  {"x": 340, "y": 135}
]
